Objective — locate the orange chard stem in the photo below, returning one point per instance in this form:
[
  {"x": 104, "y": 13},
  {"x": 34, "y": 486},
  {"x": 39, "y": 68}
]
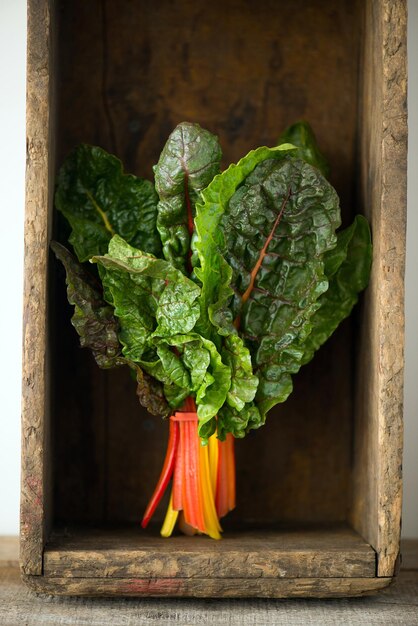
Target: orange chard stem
[
  {"x": 178, "y": 478},
  {"x": 192, "y": 498},
  {"x": 225, "y": 485}
]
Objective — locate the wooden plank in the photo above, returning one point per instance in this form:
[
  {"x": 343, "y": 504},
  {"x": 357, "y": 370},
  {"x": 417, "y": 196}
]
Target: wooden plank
[
  {"x": 127, "y": 553},
  {"x": 394, "y": 605},
  {"x": 208, "y": 587},
  {"x": 35, "y": 507},
  {"x": 377, "y": 484}
]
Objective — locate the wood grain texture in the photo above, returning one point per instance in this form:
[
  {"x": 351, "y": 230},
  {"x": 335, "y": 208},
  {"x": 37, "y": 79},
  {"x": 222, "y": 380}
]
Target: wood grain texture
[
  {"x": 35, "y": 504},
  {"x": 393, "y": 606},
  {"x": 209, "y": 587},
  {"x": 377, "y": 484},
  {"x": 131, "y": 553}
]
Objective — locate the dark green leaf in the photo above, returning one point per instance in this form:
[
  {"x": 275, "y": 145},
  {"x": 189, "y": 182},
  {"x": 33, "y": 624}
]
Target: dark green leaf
[
  {"x": 211, "y": 269},
  {"x": 348, "y": 269},
  {"x": 97, "y": 327},
  {"x": 192, "y": 364},
  {"x": 239, "y": 423},
  {"x": 151, "y": 297},
  {"x": 272, "y": 226},
  {"x": 93, "y": 318},
  {"x": 188, "y": 162},
  {"x": 150, "y": 393},
  {"x": 302, "y": 136},
  {"x": 99, "y": 200}
]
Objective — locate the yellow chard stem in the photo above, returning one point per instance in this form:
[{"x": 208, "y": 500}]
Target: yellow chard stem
[
  {"x": 209, "y": 509},
  {"x": 170, "y": 519}
]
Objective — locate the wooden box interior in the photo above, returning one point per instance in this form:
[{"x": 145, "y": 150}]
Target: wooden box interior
[{"x": 126, "y": 74}]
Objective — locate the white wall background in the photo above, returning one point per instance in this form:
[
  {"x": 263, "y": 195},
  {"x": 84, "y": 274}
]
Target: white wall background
[
  {"x": 12, "y": 164},
  {"x": 12, "y": 172}
]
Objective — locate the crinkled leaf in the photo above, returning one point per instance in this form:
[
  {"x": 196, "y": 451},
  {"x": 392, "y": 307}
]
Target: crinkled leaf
[
  {"x": 243, "y": 382},
  {"x": 239, "y": 423},
  {"x": 273, "y": 232},
  {"x": 302, "y": 136},
  {"x": 192, "y": 366},
  {"x": 99, "y": 200},
  {"x": 210, "y": 387},
  {"x": 150, "y": 296},
  {"x": 188, "y": 162},
  {"x": 211, "y": 397},
  {"x": 211, "y": 268},
  {"x": 151, "y": 394},
  {"x": 97, "y": 327},
  {"x": 93, "y": 318},
  {"x": 348, "y": 269}
]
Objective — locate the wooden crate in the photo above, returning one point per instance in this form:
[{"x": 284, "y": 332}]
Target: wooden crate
[{"x": 319, "y": 487}]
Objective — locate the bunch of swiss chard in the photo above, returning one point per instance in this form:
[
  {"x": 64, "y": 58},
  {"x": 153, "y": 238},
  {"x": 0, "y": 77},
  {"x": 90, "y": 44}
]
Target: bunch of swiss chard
[{"x": 216, "y": 286}]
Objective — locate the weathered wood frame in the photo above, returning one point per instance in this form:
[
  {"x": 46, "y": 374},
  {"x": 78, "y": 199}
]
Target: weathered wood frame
[{"x": 376, "y": 498}]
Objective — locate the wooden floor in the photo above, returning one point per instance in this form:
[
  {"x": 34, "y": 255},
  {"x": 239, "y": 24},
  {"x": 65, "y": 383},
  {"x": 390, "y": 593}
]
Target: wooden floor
[{"x": 18, "y": 606}]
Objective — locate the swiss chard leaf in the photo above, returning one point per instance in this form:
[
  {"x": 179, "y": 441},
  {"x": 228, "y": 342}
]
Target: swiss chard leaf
[
  {"x": 99, "y": 200},
  {"x": 348, "y": 269},
  {"x": 188, "y": 162},
  {"x": 150, "y": 393},
  {"x": 150, "y": 296},
  {"x": 243, "y": 382},
  {"x": 272, "y": 226},
  {"x": 302, "y": 136},
  {"x": 93, "y": 318},
  {"x": 191, "y": 365},
  {"x": 97, "y": 328},
  {"x": 212, "y": 270},
  {"x": 239, "y": 423}
]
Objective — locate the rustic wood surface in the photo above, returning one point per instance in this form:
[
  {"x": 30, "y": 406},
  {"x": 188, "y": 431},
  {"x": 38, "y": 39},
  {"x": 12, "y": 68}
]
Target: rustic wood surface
[
  {"x": 377, "y": 488},
  {"x": 129, "y": 553},
  {"x": 208, "y": 587},
  {"x": 397, "y": 605},
  {"x": 35, "y": 502}
]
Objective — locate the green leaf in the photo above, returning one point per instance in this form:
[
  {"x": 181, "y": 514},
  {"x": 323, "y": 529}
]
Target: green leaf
[
  {"x": 99, "y": 200},
  {"x": 243, "y": 382},
  {"x": 150, "y": 296},
  {"x": 188, "y": 162},
  {"x": 195, "y": 365},
  {"x": 302, "y": 136},
  {"x": 272, "y": 226},
  {"x": 93, "y": 318},
  {"x": 97, "y": 327},
  {"x": 239, "y": 423},
  {"x": 150, "y": 393},
  {"x": 212, "y": 395},
  {"x": 211, "y": 268},
  {"x": 348, "y": 269}
]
